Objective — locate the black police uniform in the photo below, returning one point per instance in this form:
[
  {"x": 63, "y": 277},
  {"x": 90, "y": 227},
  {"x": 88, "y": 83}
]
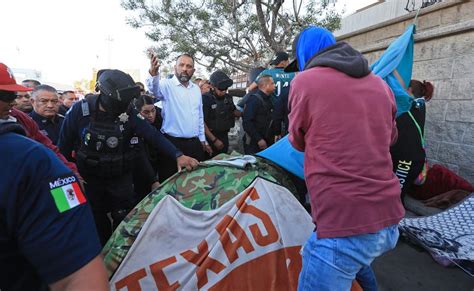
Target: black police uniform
[
  {"x": 219, "y": 118},
  {"x": 280, "y": 116},
  {"x": 49, "y": 126},
  {"x": 147, "y": 164},
  {"x": 257, "y": 121},
  {"x": 408, "y": 154},
  {"x": 106, "y": 146}
]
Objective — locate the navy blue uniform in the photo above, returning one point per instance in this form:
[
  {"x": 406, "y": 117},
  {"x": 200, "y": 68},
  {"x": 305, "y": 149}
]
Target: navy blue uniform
[
  {"x": 63, "y": 109},
  {"x": 282, "y": 82},
  {"x": 257, "y": 121},
  {"x": 280, "y": 116},
  {"x": 49, "y": 127},
  {"x": 75, "y": 123},
  {"x": 39, "y": 244},
  {"x": 106, "y": 147},
  {"x": 147, "y": 164}
]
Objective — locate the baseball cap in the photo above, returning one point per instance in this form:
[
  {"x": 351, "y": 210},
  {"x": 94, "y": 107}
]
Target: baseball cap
[
  {"x": 279, "y": 57},
  {"x": 220, "y": 80},
  {"x": 8, "y": 82}
]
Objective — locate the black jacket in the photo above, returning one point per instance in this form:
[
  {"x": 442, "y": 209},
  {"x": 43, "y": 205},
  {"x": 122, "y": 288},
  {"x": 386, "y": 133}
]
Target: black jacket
[{"x": 257, "y": 117}]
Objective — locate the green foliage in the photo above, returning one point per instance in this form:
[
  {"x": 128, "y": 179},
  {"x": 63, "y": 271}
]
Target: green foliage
[{"x": 229, "y": 34}]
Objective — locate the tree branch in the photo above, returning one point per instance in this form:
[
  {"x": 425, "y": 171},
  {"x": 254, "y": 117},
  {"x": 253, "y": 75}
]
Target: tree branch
[{"x": 263, "y": 24}]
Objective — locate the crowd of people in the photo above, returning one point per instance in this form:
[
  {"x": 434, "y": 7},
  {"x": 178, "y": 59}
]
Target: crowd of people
[{"x": 113, "y": 147}]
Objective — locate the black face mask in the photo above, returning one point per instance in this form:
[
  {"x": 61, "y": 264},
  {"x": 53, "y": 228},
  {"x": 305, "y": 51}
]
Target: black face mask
[
  {"x": 126, "y": 95},
  {"x": 111, "y": 105},
  {"x": 119, "y": 104}
]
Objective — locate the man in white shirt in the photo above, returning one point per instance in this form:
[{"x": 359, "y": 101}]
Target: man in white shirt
[{"x": 183, "y": 120}]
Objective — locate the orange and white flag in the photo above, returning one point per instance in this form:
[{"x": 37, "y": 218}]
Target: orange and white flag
[{"x": 250, "y": 243}]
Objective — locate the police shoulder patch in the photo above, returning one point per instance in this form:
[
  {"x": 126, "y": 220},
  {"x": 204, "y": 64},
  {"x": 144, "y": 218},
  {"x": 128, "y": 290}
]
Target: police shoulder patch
[{"x": 66, "y": 192}]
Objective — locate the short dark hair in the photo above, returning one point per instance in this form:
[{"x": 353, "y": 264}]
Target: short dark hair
[
  {"x": 43, "y": 88},
  {"x": 143, "y": 100},
  {"x": 35, "y": 82},
  {"x": 185, "y": 55},
  {"x": 68, "y": 92},
  {"x": 263, "y": 80}
]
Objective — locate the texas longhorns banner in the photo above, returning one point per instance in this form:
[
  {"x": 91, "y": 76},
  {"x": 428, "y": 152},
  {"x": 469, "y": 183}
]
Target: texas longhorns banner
[{"x": 250, "y": 243}]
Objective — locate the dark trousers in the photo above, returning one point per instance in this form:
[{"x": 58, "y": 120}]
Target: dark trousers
[
  {"x": 223, "y": 136},
  {"x": 109, "y": 195},
  {"x": 252, "y": 147},
  {"x": 143, "y": 175},
  {"x": 191, "y": 147}
]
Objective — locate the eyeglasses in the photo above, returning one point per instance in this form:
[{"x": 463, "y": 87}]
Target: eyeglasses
[{"x": 46, "y": 101}]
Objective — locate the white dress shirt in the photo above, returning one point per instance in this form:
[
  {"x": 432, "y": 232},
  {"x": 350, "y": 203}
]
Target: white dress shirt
[{"x": 182, "y": 107}]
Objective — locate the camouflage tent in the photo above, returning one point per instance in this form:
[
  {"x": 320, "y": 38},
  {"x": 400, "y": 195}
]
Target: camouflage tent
[{"x": 205, "y": 188}]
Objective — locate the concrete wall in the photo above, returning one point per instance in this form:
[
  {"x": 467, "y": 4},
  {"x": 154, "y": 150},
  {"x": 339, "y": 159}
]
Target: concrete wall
[
  {"x": 444, "y": 55},
  {"x": 376, "y": 13}
]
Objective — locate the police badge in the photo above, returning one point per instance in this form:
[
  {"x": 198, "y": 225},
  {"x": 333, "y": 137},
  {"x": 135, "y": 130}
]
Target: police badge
[
  {"x": 123, "y": 117},
  {"x": 87, "y": 138},
  {"x": 112, "y": 142}
]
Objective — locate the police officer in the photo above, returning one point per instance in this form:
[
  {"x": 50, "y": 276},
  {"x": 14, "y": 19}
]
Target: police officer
[
  {"x": 219, "y": 112},
  {"x": 282, "y": 81},
  {"x": 45, "y": 102},
  {"x": 68, "y": 98},
  {"x": 104, "y": 132},
  {"x": 257, "y": 120},
  {"x": 47, "y": 233}
]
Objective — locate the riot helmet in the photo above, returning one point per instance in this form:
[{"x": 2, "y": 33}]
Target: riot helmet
[
  {"x": 117, "y": 89},
  {"x": 220, "y": 80}
]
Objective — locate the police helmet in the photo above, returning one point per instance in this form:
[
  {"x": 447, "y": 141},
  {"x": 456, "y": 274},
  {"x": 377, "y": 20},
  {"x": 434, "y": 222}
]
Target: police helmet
[
  {"x": 220, "y": 80},
  {"x": 117, "y": 89}
]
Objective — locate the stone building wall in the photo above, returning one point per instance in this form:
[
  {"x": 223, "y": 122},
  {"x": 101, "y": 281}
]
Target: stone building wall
[{"x": 444, "y": 55}]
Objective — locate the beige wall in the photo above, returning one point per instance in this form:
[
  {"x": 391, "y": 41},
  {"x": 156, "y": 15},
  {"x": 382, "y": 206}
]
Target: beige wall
[{"x": 444, "y": 55}]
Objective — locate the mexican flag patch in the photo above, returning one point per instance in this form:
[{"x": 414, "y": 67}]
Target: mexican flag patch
[{"x": 66, "y": 193}]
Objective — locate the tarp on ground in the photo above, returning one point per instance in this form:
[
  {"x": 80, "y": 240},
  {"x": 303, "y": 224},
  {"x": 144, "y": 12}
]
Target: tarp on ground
[
  {"x": 448, "y": 235},
  {"x": 398, "y": 58},
  {"x": 252, "y": 242}
]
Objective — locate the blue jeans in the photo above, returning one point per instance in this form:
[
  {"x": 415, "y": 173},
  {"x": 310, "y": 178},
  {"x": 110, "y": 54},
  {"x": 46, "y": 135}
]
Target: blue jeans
[{"x": 333, "y": 263}]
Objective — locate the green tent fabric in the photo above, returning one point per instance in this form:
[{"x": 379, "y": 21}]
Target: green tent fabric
[{"x": 206, "y": 188}]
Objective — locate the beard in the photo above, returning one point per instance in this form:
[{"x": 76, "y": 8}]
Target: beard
[{"x": 183, "y": 77}]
